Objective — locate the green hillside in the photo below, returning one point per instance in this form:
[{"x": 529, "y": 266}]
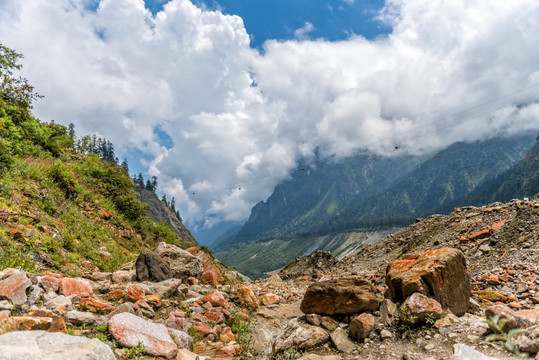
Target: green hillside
[{"x": 62, "y": 208}]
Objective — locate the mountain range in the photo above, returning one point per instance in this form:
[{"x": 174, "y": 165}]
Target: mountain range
[{"x": 340, "y": 204}]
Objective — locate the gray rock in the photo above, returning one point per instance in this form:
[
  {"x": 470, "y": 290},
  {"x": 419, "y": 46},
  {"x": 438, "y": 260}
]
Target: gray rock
[
  {"x": 34, "y": 294},
  {"x": 388, "y": 309},
  {"x": 59, "y": 301},
  {"x": 182, "y": 339},
  {"x": 151, "y": 267},
  {"x": 341, "y": 341},
  {"x": 299, "y": 335},
  {"x": 43, "y": 345},
  {"x": 79, "y": 317},
  {"x": 125, "y": 307},
  {"x": 182, "y": 264},
  {"x": 465, "y": 352},
  {"x": 528, "y": 341}
]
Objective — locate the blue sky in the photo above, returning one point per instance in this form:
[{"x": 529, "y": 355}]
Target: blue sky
[{"x": 279, "y": 19}]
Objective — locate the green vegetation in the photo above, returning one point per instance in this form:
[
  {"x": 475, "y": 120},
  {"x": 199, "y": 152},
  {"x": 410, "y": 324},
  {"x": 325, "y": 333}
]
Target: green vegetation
[
  {"x": 496, "y": 324},
  {"x": 76, "y": 206}
]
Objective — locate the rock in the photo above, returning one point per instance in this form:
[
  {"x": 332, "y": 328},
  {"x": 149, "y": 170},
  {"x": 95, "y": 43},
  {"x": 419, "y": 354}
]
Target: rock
[
  {"x": 184, "y": 354},
  {"x": 211, "y": 274},
  {"x": 23, "y": 345},
  {"x": 150, "y": 267},
  {"x": 296, "y": 335},
  {"x": 48, "y": 283},
  {"x": 229, "y": 351},
  {"x": 166, "y": 288},
  {"x": 388, "y": 309},
  {"x": 512, "y": 319},
  {"x": 311, "y": 265},
  {"x": 34, "y": 293},
  {"x": 386, "y": 334},
  {"x": 247, "y": 297},
  {"x": 319, "y": 357},
  {"x": 182, "y": 339},
  {"x": 528, "y": 341},
  {"x": 59, "y": 302},
  {"x": 120, "y": 276},
  {"x": 269, "y": 299},
  {"x": 78, "y": 287},
  {"x": 14, "y": 288},
  {"x": 181, "y": 263},
  {"x": 275, "y": 278},
  {"x": 342, "y": 296},
  {"x": 216, "y": 298},
  {"x": 341, "y": 341},
  {"x": 328, "y": 323},
  {"x": 57, "y": 322},
  {"x": 465, "y": 352},
  {"x": 130, "y": 330},
  {"x": 418, "y": 308},
  {"x": 125, "y": 307},
  {"x": 79, "y": 318},
  {"x": 96, "y": 306},
  {"x": 24, "y": 323},
  {"x": 437, "y": 273},
  {"x": 227, "y": 335},
  {"x": 143, "y": 309},
  {"x": 361, "y": 326}
]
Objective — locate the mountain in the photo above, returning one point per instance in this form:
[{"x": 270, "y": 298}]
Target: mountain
[
  {"x": 325, "y": 205},
  {"x": 159, "y": 212}
]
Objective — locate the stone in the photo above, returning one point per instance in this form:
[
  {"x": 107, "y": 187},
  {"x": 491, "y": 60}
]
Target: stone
[
  {"x": 125, "y": 307},
  {"x": 361, "y": 326},
  {"x": 153, "y": 300},
  {"x": 328, "y": 323},
  {"x": 150, "y": 267},
  {"x": 96, "y": 306},
  {"x": 184, "y": 354},
  {"x": 418, "y": 309},
  {"x": 313, "y": 319},
  {"x": 388, "y": 310},
  {"x": 23, "y": 345},
  {"x": 166, "y": 288},
  {"x": 528, "y": 341},
  {"x": 227, "y": 335},
  {"x": 229, "y": 351},
  {"x": 57, "y": 322},
  {"x": 247, "y": 297},
  {"x": 301, "y": 336},
  {"x": 14, "y": 288},
  {"x": 269, "y": 299},
  {"x": 120, "y": 276},
  {"x": 341, "y": 341},
  {"x": 78, "y": 287},
  {"x": 386, "y": 334},
  {"x": 342, "y": 296},
  {"x": 181, "y": 263},
  {"x": 129, "y": 330},
  {"x": 182, "y": 339},
  {"x": 440, "y": 274},
  {"x": 211, "y": 275},
  {"x": 80, "y": 318},
  {"x": 34, "y": 293},
  {"x": 512, "y": 319},
  {"x": 24, "y": 323},
  {"x": 143, "y": 309},
  {"x": 465, "y": 352},
  {"x": 59, "y": 302},
  {"x": 319, "y": 357},
  {"x": 216, "y": 298}
]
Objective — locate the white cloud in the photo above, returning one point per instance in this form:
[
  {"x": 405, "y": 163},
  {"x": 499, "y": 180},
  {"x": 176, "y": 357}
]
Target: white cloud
[
  {"x": 303, "y": 32},
  {"x": 121, "y": 72}
]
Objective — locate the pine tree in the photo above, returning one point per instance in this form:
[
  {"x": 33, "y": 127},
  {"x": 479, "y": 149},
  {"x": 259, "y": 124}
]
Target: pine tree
[
  {"x": 125, "y": 167},
  {"x": 140, "y": 180},
  {"x": 154, "y": 183},
  {"x": 173, "y": 204}
]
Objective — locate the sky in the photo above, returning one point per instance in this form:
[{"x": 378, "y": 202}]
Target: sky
[{"x": 221, "y": 100}]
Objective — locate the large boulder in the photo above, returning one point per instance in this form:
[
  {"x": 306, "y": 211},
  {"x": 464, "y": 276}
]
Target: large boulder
[
  {"x": 437, "y": 273},
  {"x": 130, "y": 331},
  {"x": 182, "y": 264},
  {"x": 151, "y": 267},
  {"x": 342, "y": 296},
  {"x": 23, "y": 345}
]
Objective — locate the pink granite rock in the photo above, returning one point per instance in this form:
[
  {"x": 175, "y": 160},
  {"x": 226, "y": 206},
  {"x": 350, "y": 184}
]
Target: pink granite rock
[
  {"x": 14, "y": 288},
  {"x": 129, "y": 330}
]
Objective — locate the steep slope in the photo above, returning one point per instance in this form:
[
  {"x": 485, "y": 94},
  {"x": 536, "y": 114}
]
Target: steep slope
[{"x": 159, "y": 212}]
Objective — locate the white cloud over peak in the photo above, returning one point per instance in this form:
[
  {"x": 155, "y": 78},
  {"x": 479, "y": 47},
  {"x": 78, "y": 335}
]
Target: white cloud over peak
[{"x": 240, "y": 120}]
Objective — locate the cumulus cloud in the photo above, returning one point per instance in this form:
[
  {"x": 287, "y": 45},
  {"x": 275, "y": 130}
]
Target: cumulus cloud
[
  {"x": 303, "y": 32},
  {"x": 239, "y": 120}
]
